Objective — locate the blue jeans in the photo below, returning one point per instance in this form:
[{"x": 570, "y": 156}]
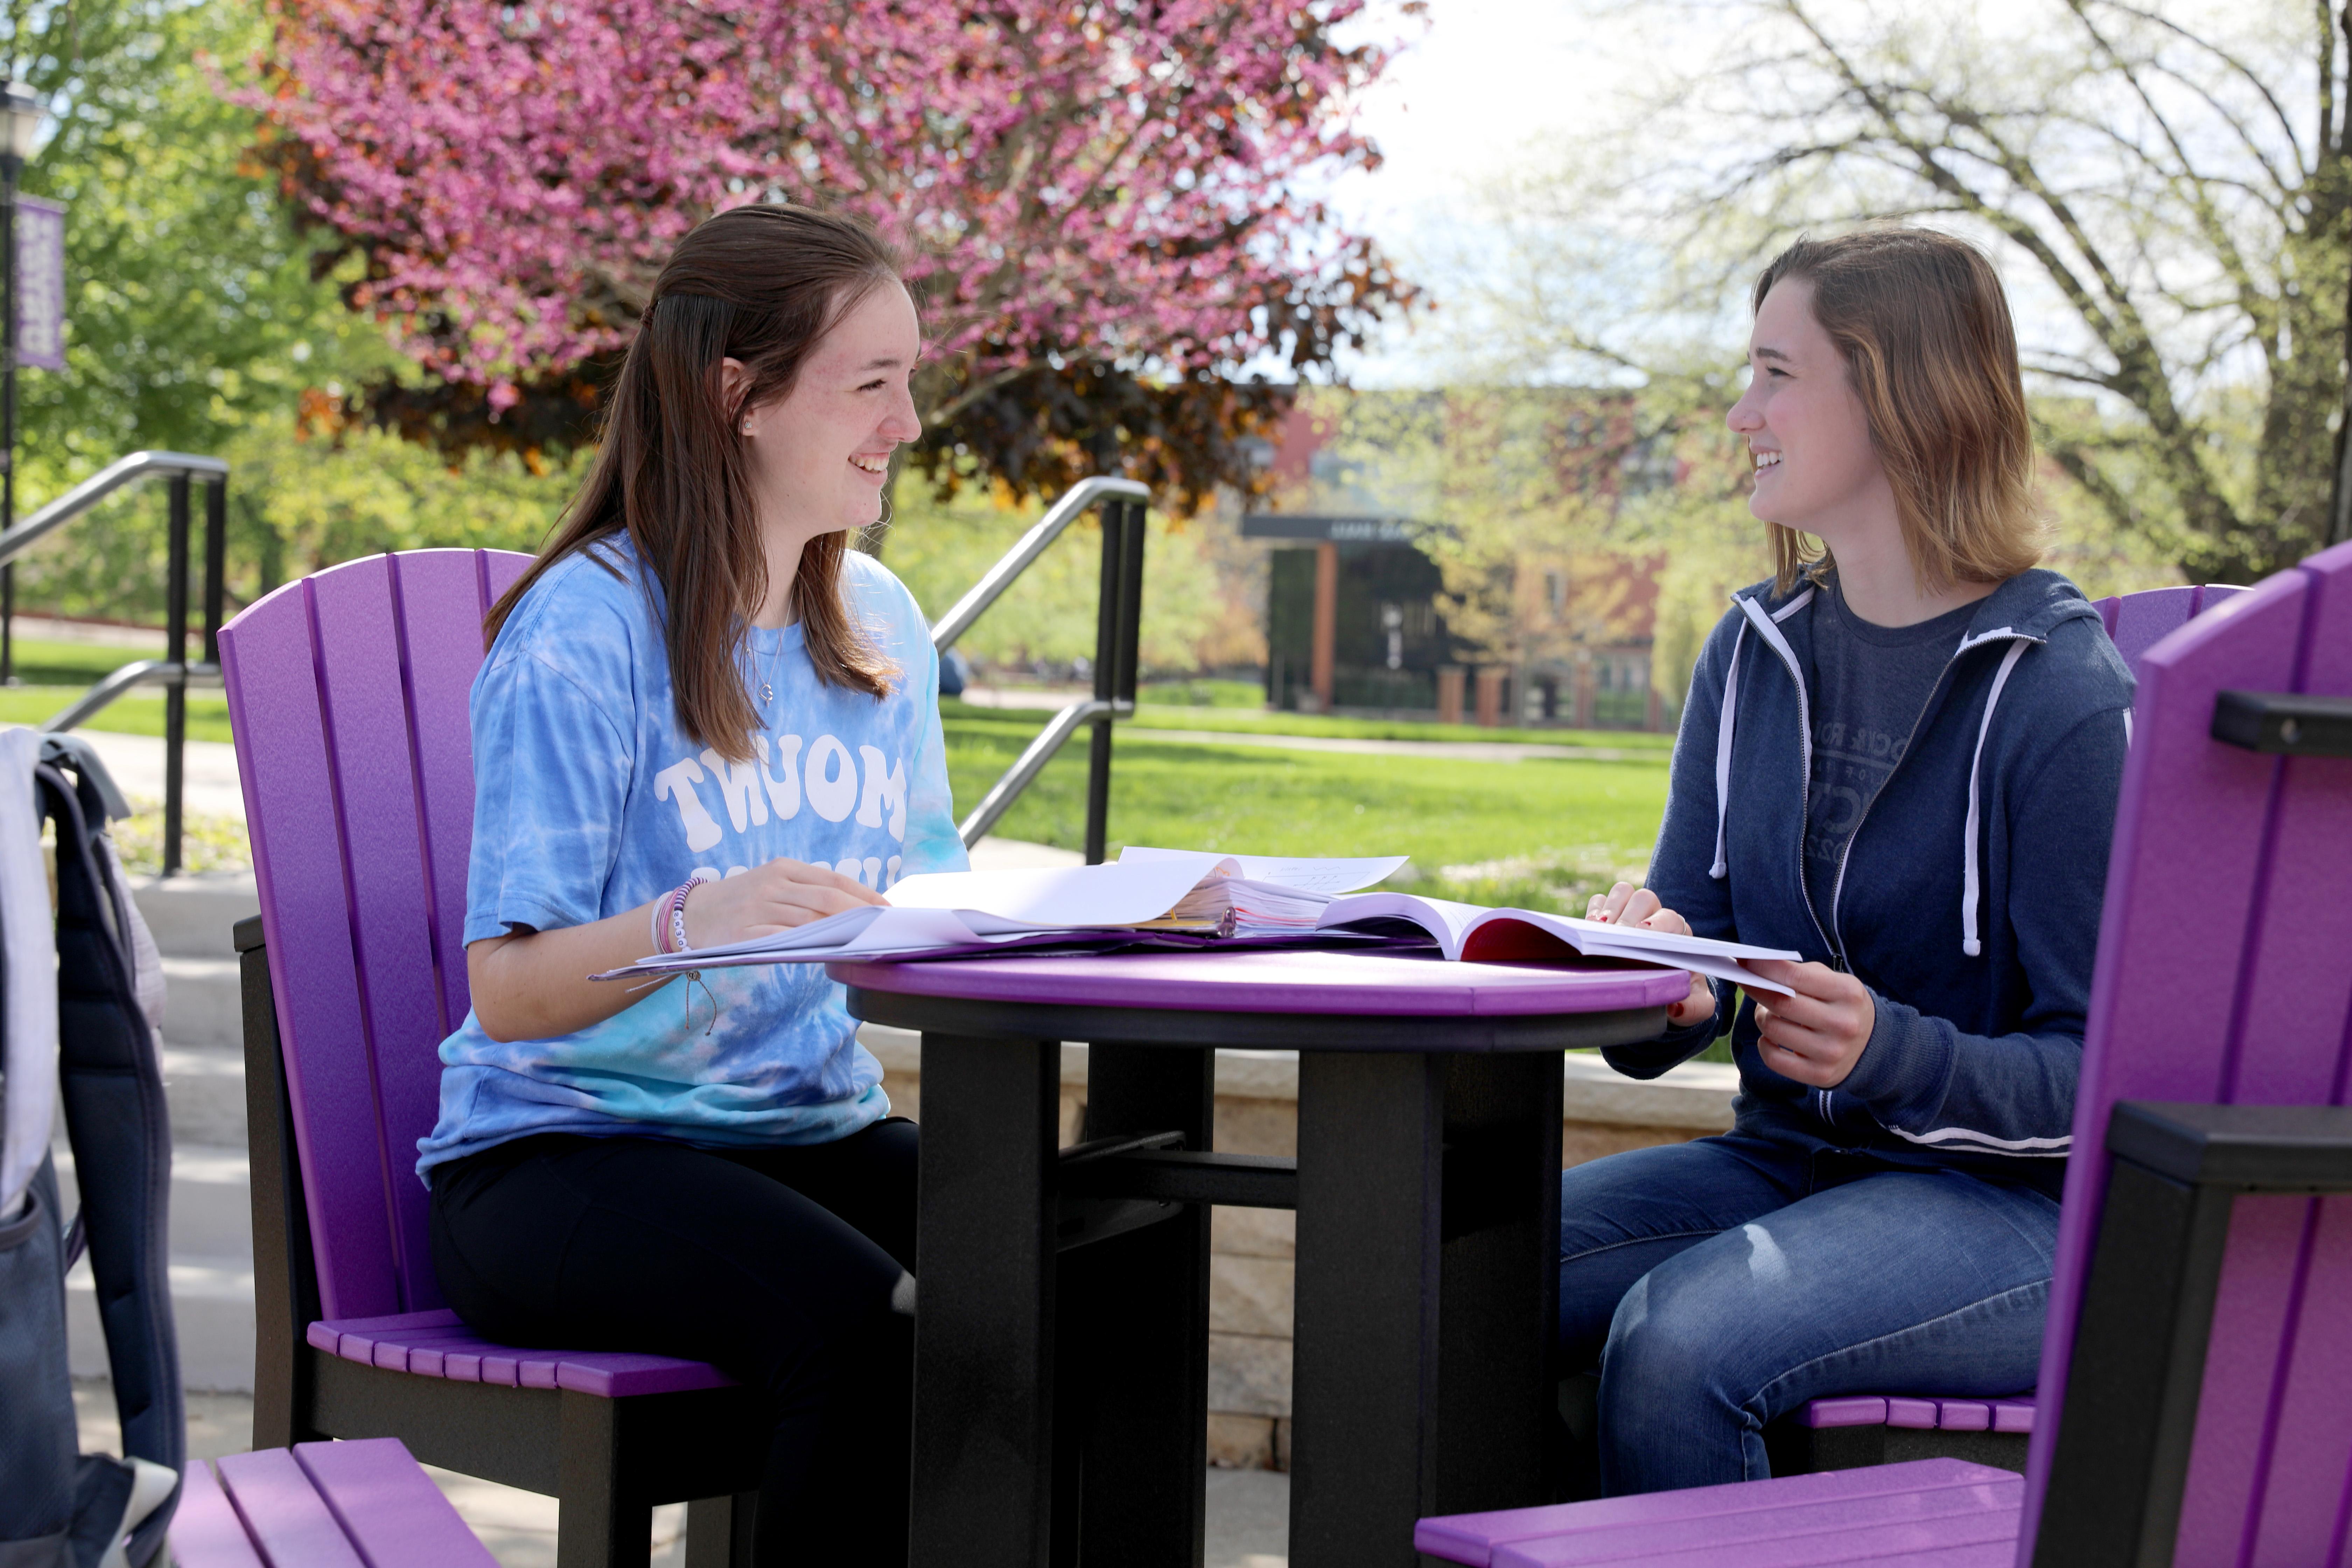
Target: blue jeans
[{"x": 1719, "y": 1284}]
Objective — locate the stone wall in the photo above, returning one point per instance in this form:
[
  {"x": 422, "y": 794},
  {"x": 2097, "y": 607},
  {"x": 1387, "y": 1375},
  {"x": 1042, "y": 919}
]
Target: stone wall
[{"x": 1252, "y": 1249}]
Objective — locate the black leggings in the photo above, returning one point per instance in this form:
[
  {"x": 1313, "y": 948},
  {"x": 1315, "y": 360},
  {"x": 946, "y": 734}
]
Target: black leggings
[{"x": 775, "y": 1265}]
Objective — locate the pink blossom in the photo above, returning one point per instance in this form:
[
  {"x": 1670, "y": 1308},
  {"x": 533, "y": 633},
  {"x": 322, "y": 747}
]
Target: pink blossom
[{"x": 1118, "y": 182}]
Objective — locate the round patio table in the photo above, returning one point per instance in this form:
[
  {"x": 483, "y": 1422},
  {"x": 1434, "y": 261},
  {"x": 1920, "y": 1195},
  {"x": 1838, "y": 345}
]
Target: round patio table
[{"x": 1061, "y": 1362}]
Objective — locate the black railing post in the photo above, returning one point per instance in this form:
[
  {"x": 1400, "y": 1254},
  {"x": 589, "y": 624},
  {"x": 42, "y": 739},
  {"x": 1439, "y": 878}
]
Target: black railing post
[
  {"x": 1106, "y": 682},
  {"x": 176, "y": 694},
  {"x": 1118, "y": 618},
  {"x": 1131, "y": 601},
  {"x": 215, "y": 564}
]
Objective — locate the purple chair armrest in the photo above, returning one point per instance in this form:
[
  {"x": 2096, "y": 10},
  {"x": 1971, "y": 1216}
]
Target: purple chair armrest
[
  {"x": 389, "y": 1506},
  {"x": 284, "y": 1512},
  {"x": 205, "y": 1532},
  {"x": 1481, "y": 1539}
]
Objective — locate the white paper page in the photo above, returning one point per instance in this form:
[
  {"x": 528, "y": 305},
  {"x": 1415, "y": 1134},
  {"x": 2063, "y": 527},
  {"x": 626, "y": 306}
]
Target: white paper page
[
  {"x": 1662, "y": 942},
  {"x": 1053, "y": 897},
  {"x": 1442, "y": 918},
  {"x": 1704, "y": 963},
  {"x": 829, "y": 932},
  {"x": 1305, "y": 873}
]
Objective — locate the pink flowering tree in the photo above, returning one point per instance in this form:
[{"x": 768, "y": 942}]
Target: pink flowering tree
[{"x": 1109, "y": 203}]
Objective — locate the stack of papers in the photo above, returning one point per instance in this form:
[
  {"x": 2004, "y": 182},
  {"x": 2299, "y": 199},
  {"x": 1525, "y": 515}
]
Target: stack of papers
[
  {"x": 1199, "y": 893},
  {"x": 1200, "y": 899}
]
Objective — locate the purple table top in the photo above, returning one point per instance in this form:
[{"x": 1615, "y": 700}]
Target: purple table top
[{"x": 1319, "y": 982}]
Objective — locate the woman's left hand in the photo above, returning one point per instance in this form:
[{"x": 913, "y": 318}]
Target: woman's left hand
[{"x": 1816, "y": 1035}]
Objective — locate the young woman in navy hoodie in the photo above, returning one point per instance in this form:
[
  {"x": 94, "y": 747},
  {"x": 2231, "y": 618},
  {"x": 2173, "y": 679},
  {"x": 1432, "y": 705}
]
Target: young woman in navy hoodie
[{"x": 1899, "y": 758}]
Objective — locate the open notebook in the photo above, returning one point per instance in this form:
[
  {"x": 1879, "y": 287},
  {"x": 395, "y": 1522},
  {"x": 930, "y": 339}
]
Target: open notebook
[{"x": 1180, "y": 898}]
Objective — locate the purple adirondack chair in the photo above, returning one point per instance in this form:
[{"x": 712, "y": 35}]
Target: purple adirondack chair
[
  {"x": 1847, "y": 1431},
  {"x": 323, "y": 1505},
  {"x": 348, "y": 694},
  {"x": 2197, "y": 1372}
]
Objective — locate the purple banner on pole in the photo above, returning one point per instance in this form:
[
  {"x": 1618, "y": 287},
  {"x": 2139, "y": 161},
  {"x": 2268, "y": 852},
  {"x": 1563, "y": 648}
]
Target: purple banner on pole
[{"x": 41, "y": 283}]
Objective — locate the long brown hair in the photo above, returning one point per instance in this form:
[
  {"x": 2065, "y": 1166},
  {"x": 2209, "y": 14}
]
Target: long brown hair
[
  {"x": 760, "y": 285},
  {"x": 1922, "y": 326}
]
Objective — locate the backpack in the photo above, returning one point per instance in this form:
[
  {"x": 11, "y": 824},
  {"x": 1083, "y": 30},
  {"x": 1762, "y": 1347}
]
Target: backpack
[{"x": 89, "y": 1045}]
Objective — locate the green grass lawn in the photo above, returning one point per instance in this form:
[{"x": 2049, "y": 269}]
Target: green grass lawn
[
  {"x": 1204, "y": 693},
  {"x": 1539, "y": 833},
  {"x": 142, "y": 714},
  {"x": 1152, "y": 715},
  {"x": 1510, "y": 831}
]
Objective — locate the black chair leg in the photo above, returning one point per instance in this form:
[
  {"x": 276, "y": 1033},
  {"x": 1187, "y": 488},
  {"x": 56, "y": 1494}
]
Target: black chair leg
[
  {"x": 598, "y": 1525},
  {"x": 718, "y": 1530}
]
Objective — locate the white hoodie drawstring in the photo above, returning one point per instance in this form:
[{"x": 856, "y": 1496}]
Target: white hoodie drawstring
[
  {"x": 1769, "y": 630},
  {"x": 1969, "y": 878},
  {"x": 1721, "y": 869}
]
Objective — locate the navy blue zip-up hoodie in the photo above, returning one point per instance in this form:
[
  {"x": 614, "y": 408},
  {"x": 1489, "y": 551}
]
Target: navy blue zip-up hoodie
[{"x": 1968, "y": 901}]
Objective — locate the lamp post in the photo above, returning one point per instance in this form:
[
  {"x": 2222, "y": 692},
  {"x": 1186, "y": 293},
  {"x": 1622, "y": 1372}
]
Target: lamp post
[{"x": 20, "y": 106}]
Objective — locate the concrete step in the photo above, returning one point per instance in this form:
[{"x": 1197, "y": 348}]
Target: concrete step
[
  {"x": 192, "y": 917},
  {"x": 203, "y": 1004},
  {"x": 205, "y": 1090},
  {"x": 212, "y": 1271}
]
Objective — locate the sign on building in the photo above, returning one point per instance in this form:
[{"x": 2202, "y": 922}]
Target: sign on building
[{"x": 41, "y": 283}]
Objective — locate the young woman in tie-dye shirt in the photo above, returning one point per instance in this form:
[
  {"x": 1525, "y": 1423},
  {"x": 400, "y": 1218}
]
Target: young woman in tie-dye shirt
[{"x": 702, "y": 718}]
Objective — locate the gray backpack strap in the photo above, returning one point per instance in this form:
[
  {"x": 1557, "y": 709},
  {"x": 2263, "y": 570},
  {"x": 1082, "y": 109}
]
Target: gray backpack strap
[
  {"x": 36, "y": 1414},
  {"x": 111, "y": 1086}
]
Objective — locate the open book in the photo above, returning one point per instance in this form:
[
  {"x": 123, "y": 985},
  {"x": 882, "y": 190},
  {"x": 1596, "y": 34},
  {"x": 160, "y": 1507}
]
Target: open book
[
  {"x": 1476, "y": 935},
  {"x": 1185, "y": 894},
  {"x": 1195, "y": 897}
]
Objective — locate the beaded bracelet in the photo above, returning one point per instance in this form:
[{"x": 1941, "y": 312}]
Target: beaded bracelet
[{"x": 669, "y": 914}]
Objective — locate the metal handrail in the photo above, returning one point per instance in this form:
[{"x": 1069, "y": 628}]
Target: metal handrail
[
  {"x": 1032, "y": 762},
  {"x": 1117, "y": 620},
  {"x": 1025, "y": 549},
  {"x": 174, "y": 674},
  {"x": 123, "y": 471},
  {"x": 119, "y": 681}
]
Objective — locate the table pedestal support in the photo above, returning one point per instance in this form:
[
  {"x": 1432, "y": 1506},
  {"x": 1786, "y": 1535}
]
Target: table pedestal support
[
  {"x": 1131, "y": 1489},
  {"x": 1427, "y": 1288},
  {"x": 984, "y": 1349}
]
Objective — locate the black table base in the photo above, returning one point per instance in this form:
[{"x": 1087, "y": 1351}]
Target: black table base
[{"x": 1062, "y": 1328}]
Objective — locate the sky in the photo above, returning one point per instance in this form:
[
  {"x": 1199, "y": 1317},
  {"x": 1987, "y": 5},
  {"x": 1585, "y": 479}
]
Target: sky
[
  {"x": 1489, "y": 86},
  {"x": 1481, "y": 85}
]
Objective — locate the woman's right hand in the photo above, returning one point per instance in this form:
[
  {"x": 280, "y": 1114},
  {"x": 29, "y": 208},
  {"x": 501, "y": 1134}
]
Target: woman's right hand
[
  {"x": 1627, "y": 905},
  {"x": 768, "y": 898}
]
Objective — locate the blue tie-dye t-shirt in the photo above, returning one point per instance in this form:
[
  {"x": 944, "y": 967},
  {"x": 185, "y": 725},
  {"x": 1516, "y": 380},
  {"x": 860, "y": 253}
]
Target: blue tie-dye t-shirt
[{"x": 588, "y": 800}]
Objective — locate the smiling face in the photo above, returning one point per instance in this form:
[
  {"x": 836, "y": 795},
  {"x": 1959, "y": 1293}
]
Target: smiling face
[
  {"x": 1816, "y": 471},
  {"x": 820, "y": 456}
]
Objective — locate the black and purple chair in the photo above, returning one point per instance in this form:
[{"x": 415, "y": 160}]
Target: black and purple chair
[
  {"x": 2196, "y": 1369},
  {"x": 348, "y": 694}
]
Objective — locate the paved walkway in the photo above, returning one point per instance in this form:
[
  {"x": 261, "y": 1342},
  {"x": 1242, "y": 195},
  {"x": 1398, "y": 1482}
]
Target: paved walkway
[{"x": 207, "y": 778}]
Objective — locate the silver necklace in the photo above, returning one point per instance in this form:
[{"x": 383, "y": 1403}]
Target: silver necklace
[{"x": 767, "y": 686}]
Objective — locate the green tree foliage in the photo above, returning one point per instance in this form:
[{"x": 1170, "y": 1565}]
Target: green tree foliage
[
  {"x": 198, "y": 322},
  {"x": 193, "y": 311}
]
